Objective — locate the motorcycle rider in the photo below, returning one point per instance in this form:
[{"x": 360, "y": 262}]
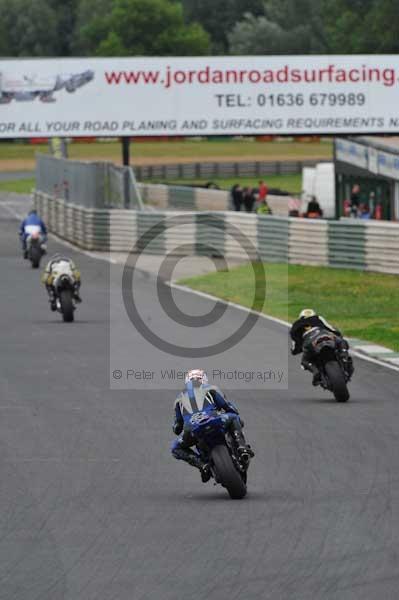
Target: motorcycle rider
[
  {"x": 31, "y": 224},
  {"x": 57, "y": 265},
  {"x": 309, "y": 320},
  {"x": 199, "y": 396}
]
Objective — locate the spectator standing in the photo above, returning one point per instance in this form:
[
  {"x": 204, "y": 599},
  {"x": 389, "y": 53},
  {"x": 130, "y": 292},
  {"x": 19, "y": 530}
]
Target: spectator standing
[
  {"x": 378, "y": 211},
  {"x": 372, "y": 200},
  {"x": 313, "y": 210},
  {"x": 249, "y": 199},
  {"x": 262, "y": 191},
  {"x": 347, "y": 208},
  {"x": 237, "y": 197},
  {"x": 355, "y": 200},
  {"x": 364, "y": 212}
]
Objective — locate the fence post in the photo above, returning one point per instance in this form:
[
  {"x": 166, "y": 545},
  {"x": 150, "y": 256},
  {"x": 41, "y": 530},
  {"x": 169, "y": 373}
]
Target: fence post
[{"x": 126, "y": 187}]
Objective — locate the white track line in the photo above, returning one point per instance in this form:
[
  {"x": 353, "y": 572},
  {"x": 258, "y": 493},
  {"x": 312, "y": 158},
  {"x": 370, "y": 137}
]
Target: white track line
[{"x": 274, "y": 319}]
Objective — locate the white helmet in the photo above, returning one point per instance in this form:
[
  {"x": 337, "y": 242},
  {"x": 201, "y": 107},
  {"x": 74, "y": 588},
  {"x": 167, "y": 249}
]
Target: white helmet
[
  {"x": 306, "y": 313},
  {"x": 197, "y": 376}
]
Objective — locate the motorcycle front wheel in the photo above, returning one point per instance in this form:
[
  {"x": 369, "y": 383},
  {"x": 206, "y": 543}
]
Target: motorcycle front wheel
[
  {"x": 227, "y": 474},
  {"x": 337, "y": 381}
]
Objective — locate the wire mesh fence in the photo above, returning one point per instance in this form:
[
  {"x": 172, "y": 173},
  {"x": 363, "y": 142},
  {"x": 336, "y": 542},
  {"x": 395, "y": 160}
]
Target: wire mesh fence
[{"x": 92, "y": 185}]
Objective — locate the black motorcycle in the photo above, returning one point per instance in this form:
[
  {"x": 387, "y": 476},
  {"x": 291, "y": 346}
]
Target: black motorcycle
[
  {"x": 216, "y": 445},
  {"x": 64, "y": 288},
  {"x": 35, "y": 248},
  {"x": 329, "y": 353}
]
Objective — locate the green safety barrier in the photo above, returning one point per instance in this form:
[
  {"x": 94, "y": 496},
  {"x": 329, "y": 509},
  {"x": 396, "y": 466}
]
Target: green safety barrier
[{"x": 347, "y": 244}]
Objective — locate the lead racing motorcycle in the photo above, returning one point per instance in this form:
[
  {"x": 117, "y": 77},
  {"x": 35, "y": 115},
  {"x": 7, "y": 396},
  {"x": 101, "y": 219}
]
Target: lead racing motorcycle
[
  {"x": 35, "y": 248},
  {"x": 216, "y": 446},
  {"x": 329, "y": 353}
]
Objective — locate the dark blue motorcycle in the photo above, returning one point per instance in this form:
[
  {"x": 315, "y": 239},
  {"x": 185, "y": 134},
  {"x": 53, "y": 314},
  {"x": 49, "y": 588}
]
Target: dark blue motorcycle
[{"x": 216, "y": 445}]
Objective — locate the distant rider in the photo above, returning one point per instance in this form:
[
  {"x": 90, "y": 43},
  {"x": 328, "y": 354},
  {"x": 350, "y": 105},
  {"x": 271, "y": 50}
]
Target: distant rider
[
  {"x": 307, "y": 322},
  {"x": 199, "y": 396},
  {"x": 31, "y": 224},
  {"x": 56, "y": 266}
]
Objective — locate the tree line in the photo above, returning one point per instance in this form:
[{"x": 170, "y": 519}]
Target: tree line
[{"x": 31, "y": 28}]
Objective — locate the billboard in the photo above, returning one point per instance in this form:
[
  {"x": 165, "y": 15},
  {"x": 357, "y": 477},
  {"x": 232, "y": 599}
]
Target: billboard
[{"x": 230, "y": 95}]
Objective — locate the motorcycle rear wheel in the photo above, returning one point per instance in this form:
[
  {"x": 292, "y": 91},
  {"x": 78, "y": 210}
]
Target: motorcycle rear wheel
[
  {"x": 227, "y": 474},
  {"x": 67, "y": 307},
  {"x": 35, "y": 256},
  {"x": 337, "y": 381}
]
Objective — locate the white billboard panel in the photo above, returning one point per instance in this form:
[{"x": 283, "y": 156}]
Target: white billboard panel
[
  {"x": 352, "y": 153},
  {"x": 232, "y": 95}
]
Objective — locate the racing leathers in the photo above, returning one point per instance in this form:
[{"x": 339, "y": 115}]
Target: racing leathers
[
  {"x": 31, "y": 224},
  {"x": 56, "y": 267},
  {"x": 299, "y": 333},
  {"x": 203, "y": 398}
]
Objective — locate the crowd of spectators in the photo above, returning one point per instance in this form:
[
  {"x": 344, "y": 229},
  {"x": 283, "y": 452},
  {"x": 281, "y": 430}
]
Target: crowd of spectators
[
  {"x": 360, "y": 208},
  {"x": 251, "y": 199},
  {"x": 255, "y": 200}
]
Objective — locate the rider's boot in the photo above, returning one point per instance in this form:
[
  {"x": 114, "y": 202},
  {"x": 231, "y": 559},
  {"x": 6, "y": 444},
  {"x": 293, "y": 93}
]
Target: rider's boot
[
  {"x": 203, "y": 468},
  {"x": 76, "y": 294},
  {"x": 346, "y": 358},
  {"x": 195, "y": 461},
  {"x": 205, "y": 471},
  {"x": 316, "y": 377},
  {"x": 244, "y": 450},
  {"x": 52, "y": 299},
  {"x": 308, "y": 366}
]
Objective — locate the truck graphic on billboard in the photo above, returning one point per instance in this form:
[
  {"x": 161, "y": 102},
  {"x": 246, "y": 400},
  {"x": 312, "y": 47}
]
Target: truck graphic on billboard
[{"x": 26, "y": 88}]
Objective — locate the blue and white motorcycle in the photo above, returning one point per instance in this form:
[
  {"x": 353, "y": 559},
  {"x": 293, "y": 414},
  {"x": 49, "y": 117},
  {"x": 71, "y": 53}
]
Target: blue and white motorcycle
[{"x": 216, "y": 445}]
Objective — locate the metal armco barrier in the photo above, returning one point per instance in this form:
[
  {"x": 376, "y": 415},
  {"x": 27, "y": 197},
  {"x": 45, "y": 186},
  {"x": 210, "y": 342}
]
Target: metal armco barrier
[
  {"x": 273, "y": 237},
  {"x": 222, "y": 169},
  {"x": 308, "y": 241},
  {"x": 348, "y": 243},
  {"x": 200, "y": 199}
]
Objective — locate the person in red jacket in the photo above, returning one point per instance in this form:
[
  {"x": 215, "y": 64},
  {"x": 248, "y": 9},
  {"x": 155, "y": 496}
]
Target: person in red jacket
[
  {"x": 263, "y": 190},
  {"x": 378, "y": 211}
]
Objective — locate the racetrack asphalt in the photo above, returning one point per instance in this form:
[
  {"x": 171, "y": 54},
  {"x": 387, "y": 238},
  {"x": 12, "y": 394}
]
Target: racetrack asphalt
[{"x": 93, "y": 507}]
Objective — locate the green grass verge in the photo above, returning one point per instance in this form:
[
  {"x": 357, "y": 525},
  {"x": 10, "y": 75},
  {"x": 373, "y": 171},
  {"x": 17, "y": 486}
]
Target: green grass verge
[
  {"x": 289, "y": 183},
  {"x": 21, "y": 186},
  {"x": 189, "y": 149},
  {"x": 362, "y": 304}
]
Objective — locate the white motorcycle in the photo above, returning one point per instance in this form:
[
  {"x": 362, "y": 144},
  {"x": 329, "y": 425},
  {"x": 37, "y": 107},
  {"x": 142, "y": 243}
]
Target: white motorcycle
[{"x": 35, "y": 245}]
